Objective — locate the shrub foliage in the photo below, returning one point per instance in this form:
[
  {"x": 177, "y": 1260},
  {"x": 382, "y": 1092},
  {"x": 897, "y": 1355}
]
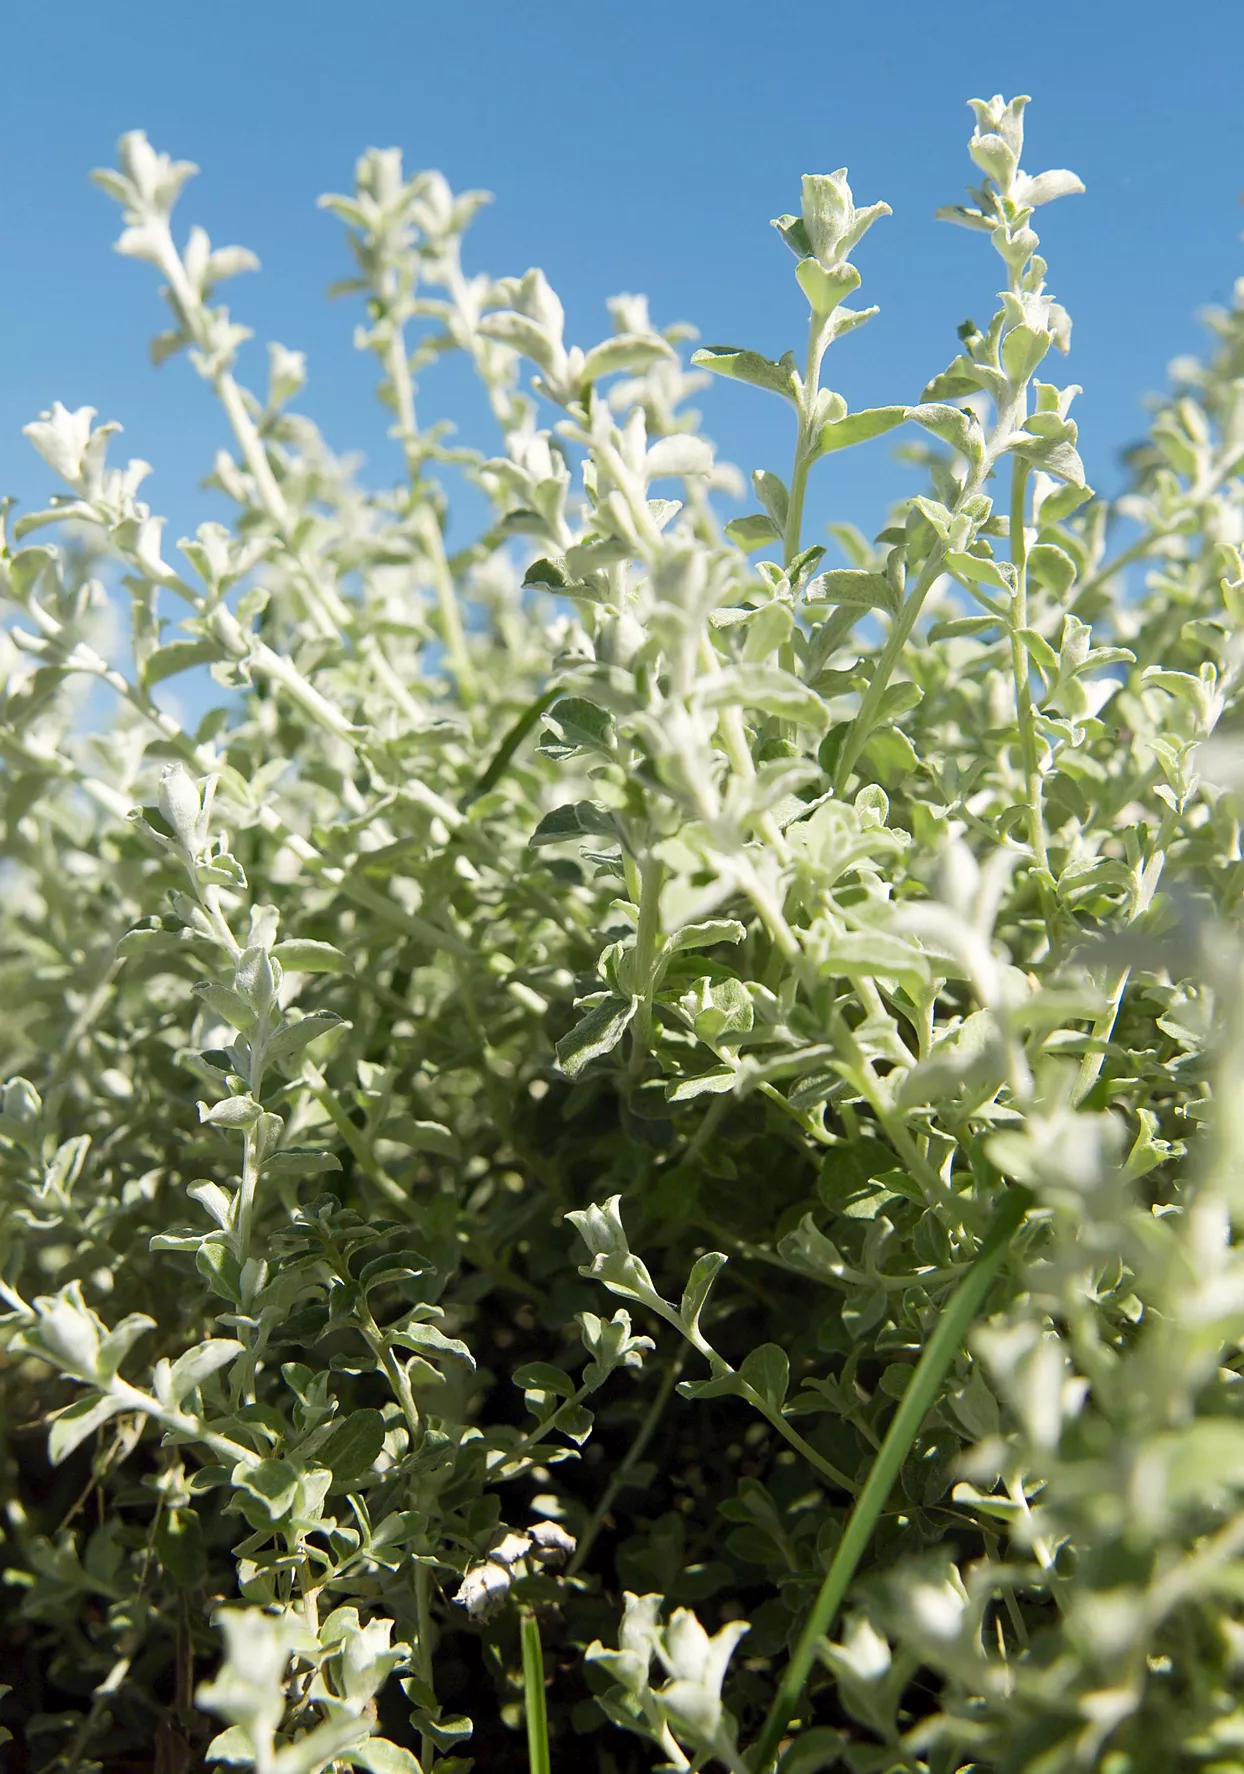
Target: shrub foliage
[{"x": 707, "y": 1236}]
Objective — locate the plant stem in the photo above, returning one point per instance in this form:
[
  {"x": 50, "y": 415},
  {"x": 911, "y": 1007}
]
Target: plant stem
[
  {"x": 423, "y": 1652},
  {"x": 1103, "y": 1027},
  {"x": 1135, "y": 552},
  {"x": 900, "y": 633},
  {"x": 533, "y": 1695},
  {"x": 394, "y": 1372},
  {"x": 818, "y": 329},
  {"x": 453, "y": 633},
  {"x": 646, "y": 951},
  {"x": 921, "y": 1395},
  {"x": 818, "y": 1462},
  {"x": 246, "y": 1194},
  {"x": 630, "y": 1460},
  {"x": 1009, "y": 416},
  {"x": 1021, "y": 666},
  {"x": 534, "y": 1437}
]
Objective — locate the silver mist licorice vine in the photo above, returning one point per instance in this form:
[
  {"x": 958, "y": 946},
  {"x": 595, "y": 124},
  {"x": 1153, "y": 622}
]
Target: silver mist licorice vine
[{"x": 828, "y": 946}]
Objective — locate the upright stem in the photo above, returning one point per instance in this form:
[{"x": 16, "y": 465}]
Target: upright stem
[
  {"x": 818, "y": 1462},
  {"x": 861, "y": 729},
  {"x": 643, "y": 1435},
  {"x": 1020, "y": 665},
  {"x": 647, "y": 945},
  {"x": 1103, "y": 1027},
  {"x": 394, "y": 1373},
  {"x": 818, "y": 337},
  {"x": 397, "y": 369},
  {"x": 247, "y": 1193},
  {"x": 453, "y": 633},
  {"x": 1021, "y": 669},
  {"x": 423, "y": 1653}
]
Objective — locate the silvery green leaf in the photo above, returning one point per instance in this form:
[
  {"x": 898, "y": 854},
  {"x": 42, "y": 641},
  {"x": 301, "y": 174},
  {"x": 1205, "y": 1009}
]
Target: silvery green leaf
[
  {"x": 483, "y": 1589},
  {"x": 678, "y": 455},
  {"x": 234, "y": 1111},
  {"x": 877, "y": 954},
  {"x": 1044, "y": 187},
  {"x": 705, "y": 935},
  {"x": 962, "y": 376},
  {"x": 256, "y": 979},
  {"x": 699, "y": 1285},
  {"x": 775, "y": 691},
  {"x": 827, "y": 210},
  {"x": 379, "y": 1756},
  {"x": 1023, "y": 348},
  {"x": 610, "y": 1343},
  {"x": 972, "y": 1052},
  {"x": 77, "y": 1422},
  {"x": 228, "y": 1004},
  {"x": 320, "y": 1748},
  {"x": 118, "y": 1342},
  {"x": 826, "y": 288},
  {"x": 20, "y": 1101},
  {"x": 1052, "y": 567},
  {"x": 302, "y": 955},
  {"x": 426, "y": 1339},
  {"x": 69, "y": 1331},
  {"x": 422, "y": 1136},
  {"x": 273, "y": 1484},
  {"x": 1048, "y": 442},
  {"x": 808, "y": 1248},
  {"x": 526, "y": 335},
  {"x": 292, "y": 1037},
  {"x": 767, "y": 630},
  {"x": 856, "y": 587},
  {"x": 542, "y": 1376},
  {"x": 845, "y": 320},
  {"x": 814, "y": 1751},
  {"x": 748, "y": 366},
  {"x": 181, "y": 805},
  {"x": 177, "y": 656},
  {"x": 65, "y": 1165},
  {"x": 1041, "y": 652},
  {"x": 840, "y": 434},
  {"x": 231, "y": 1745},
  {"x": 625, "y": 351},
  {"x": 595, "y": 1034},
  {"x": 575, "y": 819},
  {"x": 773, "y": 495},
  {"x": 601, "y": 1229},
  {"x": 717, "y": 1082},
  {"x": 300, "y": 1161},
  {"x": 767, "y": 1371},
  {"x": 578, "y": 725},
  {"x": 62, "y": 438},
  {"x": 190, "y": 1370},
  {"x": 352, "y": 1445},
  {"x": 721, "y": 1009},
  {"x": 957, "y": 426},
  {"x": 982, "y": 569},
  {"x": 550, "y": 574},
  {"x": 596, "y": 555},
  {"x": 756, "y": 531}
]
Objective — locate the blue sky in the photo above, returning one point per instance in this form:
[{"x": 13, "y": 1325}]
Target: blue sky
[{"x": 630, "y": 147}]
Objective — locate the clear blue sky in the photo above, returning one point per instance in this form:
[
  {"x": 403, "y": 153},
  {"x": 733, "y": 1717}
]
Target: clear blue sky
[{"x": 631, "y": 147}]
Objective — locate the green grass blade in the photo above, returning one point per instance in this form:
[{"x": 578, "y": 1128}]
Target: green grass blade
[
  {"x": 921, "y": 1394},
  {"x": 533, "y": 1696}
]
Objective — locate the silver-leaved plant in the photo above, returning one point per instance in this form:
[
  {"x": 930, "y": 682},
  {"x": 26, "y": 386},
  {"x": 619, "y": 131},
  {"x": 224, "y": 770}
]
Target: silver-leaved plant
[{"x": 625, "y": 880}]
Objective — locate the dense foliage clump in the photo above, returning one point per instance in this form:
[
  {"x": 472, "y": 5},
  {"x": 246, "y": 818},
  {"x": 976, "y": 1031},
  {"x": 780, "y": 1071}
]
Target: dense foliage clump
[{"x": 636, "y": 1128}]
